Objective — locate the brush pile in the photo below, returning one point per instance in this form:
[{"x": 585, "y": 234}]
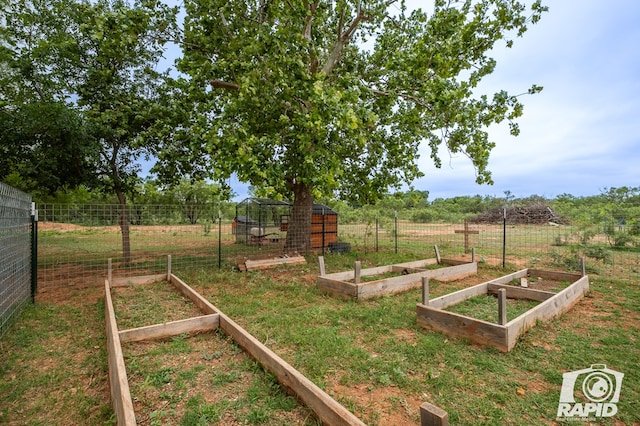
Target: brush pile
[{"x": 534, "y": 214}]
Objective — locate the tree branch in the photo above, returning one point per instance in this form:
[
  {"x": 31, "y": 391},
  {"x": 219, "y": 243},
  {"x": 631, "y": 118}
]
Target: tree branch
[
  {"x": 341, "y": 42},
  {"x": 225, "y": 24},
  {"x": 405, "y": 96},
  {"x": 219, "y": 84},
  {"x": 313, "y": 60},
  {"x": 307, "y": 27}
]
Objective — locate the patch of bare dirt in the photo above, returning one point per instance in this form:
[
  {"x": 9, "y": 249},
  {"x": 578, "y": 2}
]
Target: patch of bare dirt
[
  {"x": 60, "y": 227},
  {"x": 391, "y": 405}
]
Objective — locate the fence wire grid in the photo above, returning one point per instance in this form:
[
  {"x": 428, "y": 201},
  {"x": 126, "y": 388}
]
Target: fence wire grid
[
  {"x": 15, "y": 253},
  {"x": 76, "y": 241}
]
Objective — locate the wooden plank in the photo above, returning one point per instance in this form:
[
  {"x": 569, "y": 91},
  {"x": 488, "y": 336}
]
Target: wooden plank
[
  {"x": 118, "y": 383},
  {"x": 550, "y": 308},
  {"x": 328, "y": 410},
  {"x": 453, "y": 272},
  {"x": 169, "y": 329},
  {"x": 349, "y": 275},
  {"x": 402, "y": 283},
  {"x": 454, "y": 262},
  {"x": 141, "y": 280},
  {"x": 554, "y": 275},
  {"x": 337, "y": 288},
  {"x": 505, "y": 279},
  {"x": 461, "y": 295},
  {"x": 462, "y": 326},
  {"x": 431, "y": 415},
  {"x": 328, "y": 228},
  {"x": 526, "y": 293},
  {"x": 416, "y": 264},
  {"x": 458, "y": 296},
  {"x": 253, "y": 265}
]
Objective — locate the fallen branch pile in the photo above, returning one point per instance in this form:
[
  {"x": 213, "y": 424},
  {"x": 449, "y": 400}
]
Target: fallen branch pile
[{"x": 535, "y": 214}]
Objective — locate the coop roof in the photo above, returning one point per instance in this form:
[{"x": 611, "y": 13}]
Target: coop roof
[
  {"x": 245, "y": 219},
  {"x": 321, "y": 208},
  {"x": 264, "y": 202},
  {"x": 267, "y": 202}
]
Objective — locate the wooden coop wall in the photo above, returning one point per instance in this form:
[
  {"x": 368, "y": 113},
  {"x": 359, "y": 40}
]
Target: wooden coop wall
[{"x": 324, "y": 230}]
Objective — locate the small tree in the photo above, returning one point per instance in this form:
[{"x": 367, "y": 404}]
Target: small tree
[{"x": 99, "y": 57}]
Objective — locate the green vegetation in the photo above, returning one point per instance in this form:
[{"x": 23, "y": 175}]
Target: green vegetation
[{"x": 369, "y": 355}]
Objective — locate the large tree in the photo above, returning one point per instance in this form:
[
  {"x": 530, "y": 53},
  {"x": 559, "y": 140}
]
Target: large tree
[{"x": 311, "y": 97}]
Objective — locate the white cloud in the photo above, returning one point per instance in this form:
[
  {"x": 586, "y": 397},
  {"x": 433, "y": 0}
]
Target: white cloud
[{"x": 582, "y": 132}]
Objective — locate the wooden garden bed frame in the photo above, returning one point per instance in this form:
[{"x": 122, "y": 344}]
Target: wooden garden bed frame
[
  {"x": 431, "y": 313},
  {"x": 328, "y": 410},
  {"x": 347, "y": 284}
]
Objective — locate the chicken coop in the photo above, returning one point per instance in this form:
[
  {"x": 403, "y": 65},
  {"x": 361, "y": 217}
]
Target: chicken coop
[{"x": 265, "y": 221}]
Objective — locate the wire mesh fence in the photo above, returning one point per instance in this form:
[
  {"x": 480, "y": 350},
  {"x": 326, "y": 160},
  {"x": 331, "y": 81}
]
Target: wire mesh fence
[
  {"x": 76, "y": 241},
  {"x": 15, "y": 253}
]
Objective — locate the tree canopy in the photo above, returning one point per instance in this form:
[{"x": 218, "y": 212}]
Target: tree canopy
[
  {"x": 81, "y": 80},
  {"x": 309, "y": 98}
]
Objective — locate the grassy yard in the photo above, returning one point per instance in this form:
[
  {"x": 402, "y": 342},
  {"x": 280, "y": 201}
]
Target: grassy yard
[{"x": 369, "y": 355}]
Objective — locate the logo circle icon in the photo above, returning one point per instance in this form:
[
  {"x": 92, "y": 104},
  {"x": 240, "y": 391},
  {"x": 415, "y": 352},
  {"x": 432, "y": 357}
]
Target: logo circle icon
[{"x": 597, "y": 386}]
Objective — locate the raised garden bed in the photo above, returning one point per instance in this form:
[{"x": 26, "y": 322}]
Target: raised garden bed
[
  {"x": 326, "y": 408},
  {"x": 432, "y": 314},
  {"x": 364, "y": 283}
]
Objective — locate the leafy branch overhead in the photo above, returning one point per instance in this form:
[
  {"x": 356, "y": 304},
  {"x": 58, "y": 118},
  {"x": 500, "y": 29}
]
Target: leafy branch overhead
[{"x": 338, "y": 97}]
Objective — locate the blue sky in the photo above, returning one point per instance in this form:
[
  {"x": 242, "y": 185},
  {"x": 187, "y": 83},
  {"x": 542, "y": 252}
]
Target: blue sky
[{"x": 581, "y": 134}]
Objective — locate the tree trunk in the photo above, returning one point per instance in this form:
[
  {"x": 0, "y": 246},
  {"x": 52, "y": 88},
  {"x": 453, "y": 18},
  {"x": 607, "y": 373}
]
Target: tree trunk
[
  {"x": 299, "y": 230},
  {"x": 124, "y": 227}
]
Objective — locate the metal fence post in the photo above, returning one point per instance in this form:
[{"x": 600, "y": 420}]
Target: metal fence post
[
  {"x": 377, "y": 245},
  {"x": 395, "y": 219},
  {"x": 504, "y": 236},
  {"x": 220, "y": 239},
  {"x": 34, "y": 252},
  {"x": 323, "y": 228}
]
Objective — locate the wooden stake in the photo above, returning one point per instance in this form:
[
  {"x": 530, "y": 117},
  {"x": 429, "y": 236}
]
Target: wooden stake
[
  {"x": 109, "y": 272},
  {"x": 425, "y": 291},
  {"x": 583, "y": 266},
  {"x": 321, "y": 262},
  {"x": 357, "y": 272},
  {"x": 430, "y": 415},
  {"x": 169, "y": 267},
  {"x": 502, "y": 306},
  {"x": 435, "y": 247},
  {"x": 473, "y": 254}
]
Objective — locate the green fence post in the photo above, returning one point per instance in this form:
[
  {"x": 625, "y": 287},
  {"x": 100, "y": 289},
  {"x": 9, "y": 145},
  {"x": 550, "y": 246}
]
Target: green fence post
[
  {"x": 34, "y": 252},
  {"x": 219, "y": 239},
  {"x": 395, "y": 218},
  {"x": 504, "y": 236},
  {"x": 377, "y": 245}
]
